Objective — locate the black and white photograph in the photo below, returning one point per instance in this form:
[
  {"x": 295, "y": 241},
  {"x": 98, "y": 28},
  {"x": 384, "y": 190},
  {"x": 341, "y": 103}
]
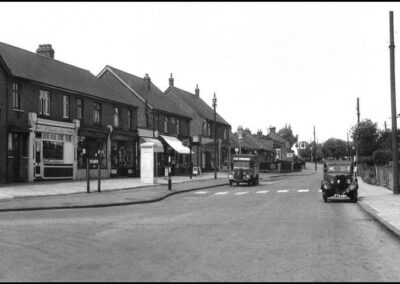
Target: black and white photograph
[{"x": 199, "y": 141}]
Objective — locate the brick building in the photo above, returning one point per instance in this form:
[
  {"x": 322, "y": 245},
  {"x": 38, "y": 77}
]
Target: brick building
[
  {"x": 161, "y": 120},
  {"x": 54, "y": 115},
  {"x": 202, "y": 129}
]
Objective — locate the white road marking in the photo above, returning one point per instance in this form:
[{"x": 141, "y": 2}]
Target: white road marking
[
  {"x": 201, "y": 192},
  {"x": 303, "y": 190},
  {"x": 283, "y": 190},
  {"x": 320, "y": 190},
  {"x": 222, "y": 193},
  {"x": 241, "y": 193},
  {"x": 262, "y": 191}
]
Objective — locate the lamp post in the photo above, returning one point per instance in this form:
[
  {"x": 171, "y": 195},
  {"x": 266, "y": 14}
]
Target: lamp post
[{"x": 214, "y": 103}]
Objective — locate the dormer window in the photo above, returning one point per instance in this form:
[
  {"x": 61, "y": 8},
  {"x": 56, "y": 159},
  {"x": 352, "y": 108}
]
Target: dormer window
[{"x": 117, "y": 117}]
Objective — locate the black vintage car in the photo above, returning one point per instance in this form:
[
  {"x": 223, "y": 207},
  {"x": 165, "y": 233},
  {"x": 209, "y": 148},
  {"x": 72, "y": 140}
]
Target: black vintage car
[{"x": 339, "y": 180}]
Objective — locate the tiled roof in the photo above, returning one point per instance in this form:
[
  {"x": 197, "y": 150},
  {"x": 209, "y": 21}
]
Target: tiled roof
[
  {"x": 155, "y": 97},
  {"x": 31, "y": 66},
  {"x": 198, "y": 105}
]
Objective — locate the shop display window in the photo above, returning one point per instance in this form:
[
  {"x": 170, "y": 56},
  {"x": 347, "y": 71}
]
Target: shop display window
[
  {"x": 53, "y": 150},
  {"x": 92, "y": 146}
]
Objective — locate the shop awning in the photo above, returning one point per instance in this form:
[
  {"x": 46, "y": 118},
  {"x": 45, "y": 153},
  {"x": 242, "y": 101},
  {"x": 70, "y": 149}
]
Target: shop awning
[
  {"x": 176, "y": 144},
  {"x": 158, "y": 146}
]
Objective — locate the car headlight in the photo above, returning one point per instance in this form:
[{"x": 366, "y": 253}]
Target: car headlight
[
  {"x": 348, "y": 181},
  {"x": 331, "y": 181},
  {"x": 230, "y": 176}
]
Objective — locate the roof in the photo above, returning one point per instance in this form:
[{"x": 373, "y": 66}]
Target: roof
[
  {"x": 276, "y": 137},
  {"x": 155, "y": 97},
  {"x": 29, "y": 65},
  {"x": 197, "y": 104}
]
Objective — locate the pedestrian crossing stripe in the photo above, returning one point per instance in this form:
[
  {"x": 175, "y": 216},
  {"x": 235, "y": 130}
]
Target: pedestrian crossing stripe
[
  {"x": 283, "y": 190},
  {"x": 262, "y": 191},
  {"x": 303, "y": 190},
  {"x": 241, "y": 193},
  {"x": 221, "y": 193},
  {"x": 201, "y": 192}
]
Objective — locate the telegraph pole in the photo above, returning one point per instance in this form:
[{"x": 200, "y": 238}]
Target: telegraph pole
[
  {"x": 315, "y": 159},
  {"x": 394, "y": 115},
  {"x": 358, "y": 110}
]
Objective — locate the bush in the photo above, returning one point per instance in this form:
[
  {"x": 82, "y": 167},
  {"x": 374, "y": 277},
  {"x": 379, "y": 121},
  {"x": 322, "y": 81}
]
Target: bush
[{"x": 381, "y": 157}]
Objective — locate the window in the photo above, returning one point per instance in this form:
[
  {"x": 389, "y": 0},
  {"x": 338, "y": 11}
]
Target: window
[
  {"x": 16, "y": 96},
  {"x": 225, "y": 132},
  {"x": 177, "y": 126},
  {"x": 44, "y": 105},
  {"x": 79, "y": 105},
  {"x": 97, "y": 113},
  {"x": 166, "y": 125},
  {"x": 65, "y": 106},
  {"x": 117, "y": 117},
  {"x": 209, "y": 129}
]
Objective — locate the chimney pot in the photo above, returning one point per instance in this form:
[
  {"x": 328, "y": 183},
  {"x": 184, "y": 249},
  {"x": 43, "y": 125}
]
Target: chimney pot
[
  {"x": 171, "y": 81},
  {"x": 197, "y": 91},
  {"x": 45, "y": 50},
  {"x": 147, "y": 81}
]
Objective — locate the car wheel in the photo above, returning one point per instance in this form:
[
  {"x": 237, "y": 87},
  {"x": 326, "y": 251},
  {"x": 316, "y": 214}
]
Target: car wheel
[
  {"x": 354, "y": 197},
  {"x": 257, "y": 181},
  {"x": 230, "y": 183},
  {"x": 237, "y": 183},
  {"x": 324, "y": 197}
]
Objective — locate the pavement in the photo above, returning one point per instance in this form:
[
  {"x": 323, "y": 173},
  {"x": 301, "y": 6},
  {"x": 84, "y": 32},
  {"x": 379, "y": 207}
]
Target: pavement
[{"x": 377, "y": 201}]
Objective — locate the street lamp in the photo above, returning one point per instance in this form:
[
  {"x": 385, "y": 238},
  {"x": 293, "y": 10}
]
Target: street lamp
[{"x": 214, "y": 103}]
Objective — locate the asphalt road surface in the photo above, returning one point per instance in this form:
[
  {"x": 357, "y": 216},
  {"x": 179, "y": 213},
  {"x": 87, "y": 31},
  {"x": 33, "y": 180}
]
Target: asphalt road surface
[{"x": 280, "y": 230}]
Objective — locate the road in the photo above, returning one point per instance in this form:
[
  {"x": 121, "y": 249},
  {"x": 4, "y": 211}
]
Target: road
[{"x": 280, "y": 230}]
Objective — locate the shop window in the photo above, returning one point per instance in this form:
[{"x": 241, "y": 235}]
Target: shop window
[
  {"x": 53, "y": 150},
  {"x": 44, "y": 102},
  {"x": 65, "y": 106},
  {"x": 79, "y": 105},
  {"x": 92, "y": 146},
  {"x": 121, "y": 154},
  {"x": 16, "y": 96}
]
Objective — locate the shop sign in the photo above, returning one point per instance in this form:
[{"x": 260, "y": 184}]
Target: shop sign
[{"x": 54, "y": 129}]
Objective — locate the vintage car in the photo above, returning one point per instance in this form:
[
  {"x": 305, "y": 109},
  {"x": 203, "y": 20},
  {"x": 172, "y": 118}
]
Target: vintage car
[
  {"x": 339, "y": 180},
  {"x": 246, "y": 168}
]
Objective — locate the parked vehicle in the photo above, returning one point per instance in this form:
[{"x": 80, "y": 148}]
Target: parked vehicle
[
  {"x": 339, "y": 180},
  {"x": 246, "y": 169}
]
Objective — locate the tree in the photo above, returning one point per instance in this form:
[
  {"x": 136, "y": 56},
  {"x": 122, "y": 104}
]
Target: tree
[
  {"x": 335, "y": 148},
  {"x": 365, "y": 136},
  {"x": 287, "y": 133}
]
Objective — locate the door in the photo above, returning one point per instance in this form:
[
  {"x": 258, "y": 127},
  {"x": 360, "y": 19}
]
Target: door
[
  {"x": 17, "y": 157},
  {"x": 38, "y": 159}
]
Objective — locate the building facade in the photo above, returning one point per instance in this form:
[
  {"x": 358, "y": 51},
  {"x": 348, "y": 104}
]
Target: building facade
[
  {"x": 54, "y": 117},
  {"x": 161, "y": 120},
  {"x": 203, "y": 129}
]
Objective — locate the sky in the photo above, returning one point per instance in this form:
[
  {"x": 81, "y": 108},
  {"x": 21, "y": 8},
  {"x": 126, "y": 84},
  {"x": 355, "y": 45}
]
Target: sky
[{"x": 302, "y": 64}]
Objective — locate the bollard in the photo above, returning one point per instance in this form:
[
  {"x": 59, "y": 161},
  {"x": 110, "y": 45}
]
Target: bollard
[{"x": 87, "y": 175}]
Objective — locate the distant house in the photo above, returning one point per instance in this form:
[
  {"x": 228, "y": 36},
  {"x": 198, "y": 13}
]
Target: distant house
[
  {"x": 202, "y": 129},
  {"x": 280, "y": 145}
]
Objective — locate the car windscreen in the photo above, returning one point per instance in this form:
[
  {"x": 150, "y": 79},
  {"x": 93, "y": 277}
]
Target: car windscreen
[
  {"x": 338, "y": 168},
  {"x": 241, "y": 165}
]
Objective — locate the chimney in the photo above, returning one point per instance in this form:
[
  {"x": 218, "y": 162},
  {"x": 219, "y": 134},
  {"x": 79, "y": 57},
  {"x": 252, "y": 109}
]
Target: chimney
[
  {"x": 197, "y": 91},
  {"x": 247, "y": 130},
  {"x": 259, "y": 133},
  {"x": 272, "y": 129},
  {"x": 146, "y": 81},
  {"x": 45, "y": 50},
  {"x": 171, "y": 81}
]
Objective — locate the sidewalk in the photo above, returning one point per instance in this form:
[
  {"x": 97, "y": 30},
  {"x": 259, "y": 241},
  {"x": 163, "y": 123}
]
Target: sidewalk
[
  {"x": 381, "y": 204},
  {"x": 114, "y": 191}
]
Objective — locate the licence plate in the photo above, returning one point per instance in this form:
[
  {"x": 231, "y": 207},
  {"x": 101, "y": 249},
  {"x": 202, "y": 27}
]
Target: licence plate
[{"x": 340, "y": 195}]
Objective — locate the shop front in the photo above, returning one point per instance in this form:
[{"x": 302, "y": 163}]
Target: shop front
[
  {"x": 51, "y": 149},
  {"x": 123, "y": 154},
  {"x": 180, "y": 160},
  {"x": 93, "y": 143}
]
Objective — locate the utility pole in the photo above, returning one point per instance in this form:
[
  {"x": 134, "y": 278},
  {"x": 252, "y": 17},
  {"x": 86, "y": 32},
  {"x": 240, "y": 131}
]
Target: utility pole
[
  {"x": 315, "y": 159},
  {"x": 358, "y": 110},
  {"x": 385, "y": 126},
  {"x": 394, "y": 113}
]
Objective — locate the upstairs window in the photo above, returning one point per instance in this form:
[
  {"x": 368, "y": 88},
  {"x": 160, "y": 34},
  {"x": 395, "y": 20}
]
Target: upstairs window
[
  {"x": 16, "y": 103},
  {"x": 177, "y": 126},
  {"x": 117, "y": 118},
  {"x": 65, "y": 106},
  {"x": 209, "y": 129},
  {"x": 44, "y": 102},
  {"x": 225, "y": 134},
  {"x": 166, "y": 125},
  {"x": 79, "y": 106},
  {"x": 97, "y": 113},
  {"x": 129, "y": 121}
]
